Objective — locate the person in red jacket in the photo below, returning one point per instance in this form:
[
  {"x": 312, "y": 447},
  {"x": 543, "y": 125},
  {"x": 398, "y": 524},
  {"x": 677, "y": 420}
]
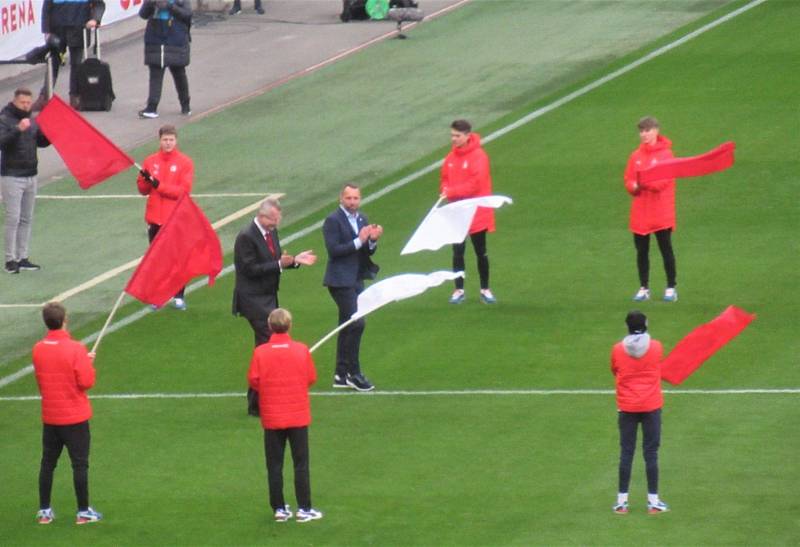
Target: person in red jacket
[
  {"x": 465, "y": 174},
  {"x": 64, "y": 373},
  {"x": 281, "y": 371},
  {"x": 636, "y": 365},
  {"x": 652, "y": 208},
  {"x": 165, "y": 177}
]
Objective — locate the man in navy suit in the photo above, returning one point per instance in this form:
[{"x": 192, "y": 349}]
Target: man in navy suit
[
  {"x": 350, "y": 241},
  {"x": 259, "y": 262}
]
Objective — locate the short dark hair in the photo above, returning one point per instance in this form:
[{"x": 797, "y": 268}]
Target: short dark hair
[
  {"x": 167, "y": 130},
  {"x": 647, "y": 123},
  {"x": 636, "y": 321},
  {"x": 54, "y": 314},
  {"x": 23, "y": 91},
  {"x": 347, "y": 185},
  {"x": 462, "y": 126}
]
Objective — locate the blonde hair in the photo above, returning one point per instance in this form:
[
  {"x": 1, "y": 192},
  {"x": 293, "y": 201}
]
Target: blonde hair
[{"x": 279, "y": 320}]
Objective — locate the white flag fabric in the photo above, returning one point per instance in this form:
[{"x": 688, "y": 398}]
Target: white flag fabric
[
  {"x": 449, "y": 224},
  {"x": 399, "y": 287}
]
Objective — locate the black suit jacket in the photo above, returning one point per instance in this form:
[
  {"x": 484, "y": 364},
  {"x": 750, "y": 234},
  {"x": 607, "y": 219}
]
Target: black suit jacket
[
  {"x": 258, "y": 273},
  {"x": 347, "y": 266}
]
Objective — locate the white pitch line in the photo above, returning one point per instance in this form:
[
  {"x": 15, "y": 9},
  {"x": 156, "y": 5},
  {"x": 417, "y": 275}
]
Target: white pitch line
[
  {"x": 434, "y": 393},
  {"x": 139, "y": 196},
  {"x": 500, "y": 132}
]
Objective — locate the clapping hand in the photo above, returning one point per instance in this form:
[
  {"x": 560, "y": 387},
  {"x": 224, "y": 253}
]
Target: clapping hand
[
  {"x": 375, "y": 232},
  {"x": 306, "y": 258}
]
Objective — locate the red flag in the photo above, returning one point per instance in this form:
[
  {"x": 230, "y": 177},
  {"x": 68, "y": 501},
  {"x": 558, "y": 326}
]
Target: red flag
[
  {"x": 718, "y": 159},
  {"x": 700, "y": 344},
  {"x": 186, "y": 246},
  {"x": 89, "y": 155}
]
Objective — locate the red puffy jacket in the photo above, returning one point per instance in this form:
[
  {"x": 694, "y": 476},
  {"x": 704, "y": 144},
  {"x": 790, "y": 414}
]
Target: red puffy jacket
[
  {"x": 64, "y": 372},
  {"x": 175, "y": 173},
  {"x": 465, "y": 174},
  {"x": 653, "y": 205},
  {"x": 282, "y": 371},
  {"x": 638, "y": 379}
]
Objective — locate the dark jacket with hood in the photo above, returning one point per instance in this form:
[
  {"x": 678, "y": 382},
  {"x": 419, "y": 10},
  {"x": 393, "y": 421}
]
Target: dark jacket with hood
[
  {"x": 167, "y": 36},
  {"x": 18, "y": 156}
]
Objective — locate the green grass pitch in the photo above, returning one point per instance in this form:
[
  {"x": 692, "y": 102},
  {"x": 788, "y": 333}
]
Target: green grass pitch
[{"x": 490, "y": 469}]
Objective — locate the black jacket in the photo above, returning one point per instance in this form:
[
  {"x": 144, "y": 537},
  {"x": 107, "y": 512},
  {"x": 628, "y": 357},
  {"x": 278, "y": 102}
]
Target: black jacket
[
  {"x": 58, "y": 14},
  {"x": 166, "y": 36},
  {"x": 18, "y": 156}
]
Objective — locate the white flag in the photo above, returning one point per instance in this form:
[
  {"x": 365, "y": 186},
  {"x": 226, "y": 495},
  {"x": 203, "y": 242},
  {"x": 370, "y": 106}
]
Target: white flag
[
  {"x": 449, "y": 224},
  {"x": 399, "y": 287}
]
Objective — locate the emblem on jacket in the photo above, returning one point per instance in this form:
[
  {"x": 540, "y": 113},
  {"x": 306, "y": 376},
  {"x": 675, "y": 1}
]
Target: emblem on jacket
[{"x": 173, "y": 168}]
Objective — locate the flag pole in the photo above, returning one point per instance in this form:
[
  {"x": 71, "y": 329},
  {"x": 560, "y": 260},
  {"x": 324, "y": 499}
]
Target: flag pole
[
  {"x": 105, "y": 327},
  {"x": 330, "y": 334}
]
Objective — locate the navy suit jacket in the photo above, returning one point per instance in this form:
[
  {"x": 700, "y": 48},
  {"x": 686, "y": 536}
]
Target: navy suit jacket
[
  {"x": 258, "y": 273},
  {"x": 347, "y": 266}
]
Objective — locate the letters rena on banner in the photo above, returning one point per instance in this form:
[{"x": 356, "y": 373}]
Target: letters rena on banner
[{"x": 16, "y": 15}]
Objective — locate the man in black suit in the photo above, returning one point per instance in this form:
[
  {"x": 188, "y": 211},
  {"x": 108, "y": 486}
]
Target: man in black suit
[
  {"x": 350, "y": 241},
  {"x": 259, "y": 261}
]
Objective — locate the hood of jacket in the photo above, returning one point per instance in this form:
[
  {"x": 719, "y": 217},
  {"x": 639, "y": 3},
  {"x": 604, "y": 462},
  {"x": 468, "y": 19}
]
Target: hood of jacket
[
  {"x": 12, "y": 110},
  {"x": 662, "y": 143},
  {"x": 636, "y": 345},
  {"x": 473, "y": 143}
]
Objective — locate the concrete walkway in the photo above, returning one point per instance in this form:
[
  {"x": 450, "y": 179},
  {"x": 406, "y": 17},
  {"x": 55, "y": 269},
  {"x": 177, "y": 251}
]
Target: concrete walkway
[{"x": 233, "y": 58}]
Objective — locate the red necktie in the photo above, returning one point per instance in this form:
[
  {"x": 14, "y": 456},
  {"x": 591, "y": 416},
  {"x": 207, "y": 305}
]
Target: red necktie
[{"x": 270, "y": 243}]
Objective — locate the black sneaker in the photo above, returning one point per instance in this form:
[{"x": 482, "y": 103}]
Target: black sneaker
[
  {"x": 359, "y": 382},
  {"x": 186, "y": 111},
  {"x": 339, "y": 382},
  {"x": 12, "y": 267},
  {"x": 260, "y": 10},
  {"x": 235, "y": 10},
  {"x": 27, "y": 266},
  {"x": 148, "y": 114}
]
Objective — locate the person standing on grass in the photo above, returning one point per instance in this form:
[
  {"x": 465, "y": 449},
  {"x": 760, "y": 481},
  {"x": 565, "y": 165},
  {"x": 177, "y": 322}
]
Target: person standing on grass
[
  {"x": 465, "y": 174},
  {"x": 282, "y": 371},
  {"x": 64, "y": 373},
  {"x": 165, "y": 177},
  {"x": 259, "y": 262},
  {"x": 636, "y": 365},
  {"x": 652, "y": 208}
]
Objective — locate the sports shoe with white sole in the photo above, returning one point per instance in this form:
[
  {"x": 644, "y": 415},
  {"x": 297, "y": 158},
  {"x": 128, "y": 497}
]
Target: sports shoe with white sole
[
  {"x": 658, "y": 507},
  {"x": 621, "y": 508},
  {"x": 284, "y": 514},
  {"x": 487, "y": 297},
  {"x": 670, "y": 295},
  {"x": 457, "y": 297},
  {"x": 148, "y": 114},
  {"x": 642, "y": 294},
  {"x": 45, "y": 516},
  {"x": 359, "y": 382},
  {"x": 339, "y": 382},
  {"x": 180, "y": 304},
  {"x": 88, "y": 516},
  {"x": 305, "y": 515}
]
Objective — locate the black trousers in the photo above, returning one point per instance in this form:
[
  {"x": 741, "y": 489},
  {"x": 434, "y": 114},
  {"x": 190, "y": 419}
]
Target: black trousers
[
  {"x": 348, "y": 344},
  {"x": 479, "y": 244},
  {"x": 642, "y": 243},
  {"x": 70, "y": 38},
  {"x": 77, "y": 440},
  {"x": 157, "y": 82},
  {"x": 274, "y": 447},
  {"x": 152, "y": 230},
  {"x": 651, "y": 430},
  {"x": 262, "y": 335}
]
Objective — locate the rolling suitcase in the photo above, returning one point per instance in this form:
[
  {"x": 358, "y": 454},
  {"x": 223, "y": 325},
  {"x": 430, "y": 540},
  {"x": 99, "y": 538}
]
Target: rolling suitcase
[{"x": 95, "y": 90}]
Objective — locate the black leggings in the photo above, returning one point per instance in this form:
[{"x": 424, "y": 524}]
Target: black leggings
[
  {"x": 479, "y": 244},
  {"x": 157, "y": 82},
  {"x": 274, "y": 447},
  {"x": 642, "y": 243},
  {"x": 77, "y": 440},
  {"x": 651, "y": 430}
]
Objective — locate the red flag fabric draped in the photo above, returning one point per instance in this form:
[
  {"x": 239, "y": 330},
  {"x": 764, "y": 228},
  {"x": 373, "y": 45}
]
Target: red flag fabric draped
[
  {"x": 700, "y": 344},
  {"x": 718, "y": 159},
  {"x": 186, "y": 246},
  {"x": 88, "y": 154}
]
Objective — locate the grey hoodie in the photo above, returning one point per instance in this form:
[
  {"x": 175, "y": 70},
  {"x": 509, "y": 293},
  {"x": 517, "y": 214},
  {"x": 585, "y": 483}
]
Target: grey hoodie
[{"x": 636, "y": 345}]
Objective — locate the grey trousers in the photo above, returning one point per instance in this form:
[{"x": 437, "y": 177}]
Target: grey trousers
[{"x": 19, "y": 196}]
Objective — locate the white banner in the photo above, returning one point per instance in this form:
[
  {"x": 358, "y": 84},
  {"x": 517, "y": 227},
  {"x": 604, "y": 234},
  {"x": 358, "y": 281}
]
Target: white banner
[{"x": 21, "y": 23}]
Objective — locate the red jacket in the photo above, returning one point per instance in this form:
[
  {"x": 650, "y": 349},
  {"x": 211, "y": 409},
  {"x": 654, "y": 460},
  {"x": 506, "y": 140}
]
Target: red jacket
[
  {"x": 282, "y": 371},
  {"x": 465, "y": 174},
  {"x": 638, "y": 380},
  {"x": 175, "y": 173},
  {"x": 64, "y": 372},
  {"x": 653, "y": 205}
]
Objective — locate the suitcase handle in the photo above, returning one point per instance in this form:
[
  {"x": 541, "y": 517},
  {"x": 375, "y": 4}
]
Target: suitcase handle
[{"x": 96, "y": 43}]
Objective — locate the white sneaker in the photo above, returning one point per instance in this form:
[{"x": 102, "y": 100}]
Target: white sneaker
[
  {"x": 45, "y": 516},
  {"x": 90, "y": 515},
  {"x": 487, "y": 297},
  {"x": 180, "y": 304},
  {"x": 305, "y": 515},
  {"x": 670, "y": 295},
  {"x": 642, "y": 294},
  {"x": 282, "y": 515},
  {"x": 457, "y": 297},
  {"x": 658, "y": 507}
]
